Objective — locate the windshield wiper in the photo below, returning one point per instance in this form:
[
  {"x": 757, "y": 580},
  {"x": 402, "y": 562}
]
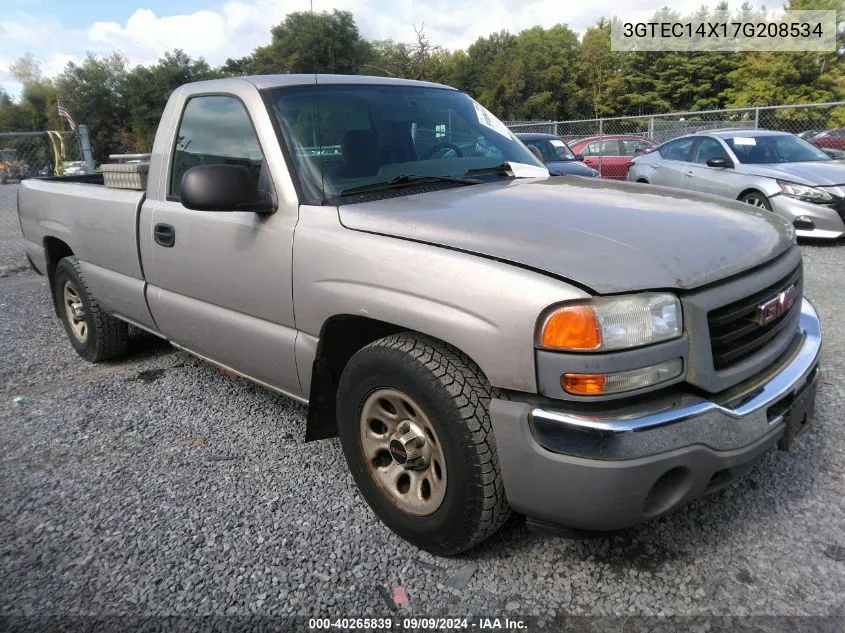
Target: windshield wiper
[{"x": 406, "y": 181}]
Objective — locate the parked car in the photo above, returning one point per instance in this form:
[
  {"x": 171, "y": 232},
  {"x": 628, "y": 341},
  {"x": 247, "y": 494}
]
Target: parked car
[
  {"x": 808, "y": 134},
  {"x": 836, "y": 154},
  {"x": 775, "y": 171},
  {"x": 611, "y": 154},
  {"x": 74, "y": 168},
  {"x": 482, "y": 336},
  {"x": 833, "y": 139},
  {"x": 556, "y": 155}
]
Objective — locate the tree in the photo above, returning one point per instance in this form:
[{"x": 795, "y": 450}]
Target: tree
[
  {"x": 598, "y": 72},
  {"x": 146, "y": 90},
  {"x": 400, "y": 59},
  {"x": 311, "y": 43},
  {"x": 93, "y": 92}
]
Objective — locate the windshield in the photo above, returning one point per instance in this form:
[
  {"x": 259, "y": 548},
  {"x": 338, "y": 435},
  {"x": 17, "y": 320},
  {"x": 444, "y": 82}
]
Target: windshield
[
  {"x": 343, "y": 137},
  {"x": 776, "y": 148}
]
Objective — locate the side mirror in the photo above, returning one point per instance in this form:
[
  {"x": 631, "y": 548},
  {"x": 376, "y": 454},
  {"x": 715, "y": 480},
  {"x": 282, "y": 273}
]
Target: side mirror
[
  {"x": 719, "y": 162},
  {"x": 222, "y": 188},
  {"x": 579, "y": 157}
]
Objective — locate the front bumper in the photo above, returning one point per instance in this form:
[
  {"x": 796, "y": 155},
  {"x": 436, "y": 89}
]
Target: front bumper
[
  {"x": 611, "y": 470},
  {"x": 824, "y": 221}
]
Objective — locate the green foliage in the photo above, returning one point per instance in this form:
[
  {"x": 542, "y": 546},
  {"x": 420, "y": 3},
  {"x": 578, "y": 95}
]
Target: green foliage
[
  {"x": 307, "y": 43},
  {"x": 93, "y": 93},
  {"x": 146, "y": 89},
  {"x": 539, "y": 73}
]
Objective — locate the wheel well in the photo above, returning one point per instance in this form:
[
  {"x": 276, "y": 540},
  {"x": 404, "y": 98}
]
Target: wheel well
[
  {"x": 750, "y": 190},
  {"x": 54, "y": 251},
  {"x": 642, "y": 180},
  {"x": 340, "y": 338}
]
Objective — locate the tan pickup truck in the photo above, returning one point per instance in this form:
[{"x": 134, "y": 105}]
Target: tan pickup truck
[{"x": 483, "y": 336}]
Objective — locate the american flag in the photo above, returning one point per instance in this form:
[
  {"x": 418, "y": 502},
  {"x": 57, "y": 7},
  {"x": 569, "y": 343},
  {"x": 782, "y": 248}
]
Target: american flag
[{"x": 63, "y": 112}]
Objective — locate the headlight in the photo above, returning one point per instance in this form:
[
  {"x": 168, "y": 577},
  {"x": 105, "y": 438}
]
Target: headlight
[
  {"x": 803, "y": 192},
  {"x": 608, "y": 323}
]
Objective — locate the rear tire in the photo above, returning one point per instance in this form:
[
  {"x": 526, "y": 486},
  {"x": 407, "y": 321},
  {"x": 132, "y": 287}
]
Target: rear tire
[
  {"x": 95, "y": 335},
  {"x": 756, "y": 199},
  {"x": 435, "y": 400}
]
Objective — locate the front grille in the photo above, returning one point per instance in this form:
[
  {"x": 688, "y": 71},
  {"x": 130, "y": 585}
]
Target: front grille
[
  {"x": 839, "y": 207},
  {"x": 734, "y": 332}
]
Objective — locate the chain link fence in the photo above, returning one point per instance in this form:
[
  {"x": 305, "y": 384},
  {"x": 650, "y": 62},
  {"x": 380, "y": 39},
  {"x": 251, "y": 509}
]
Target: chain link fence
[
  {"x": 609, "y": 144},
  {"x": 38, "y": 154}
]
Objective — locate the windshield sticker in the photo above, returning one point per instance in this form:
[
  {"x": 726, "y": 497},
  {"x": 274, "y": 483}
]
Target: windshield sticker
[
  {"x": 744, "y": 140},
  {"x": 486, "y": 118},
  {"x": 557, "y": 143}
]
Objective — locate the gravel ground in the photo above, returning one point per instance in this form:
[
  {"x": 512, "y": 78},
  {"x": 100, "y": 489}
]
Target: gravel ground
[{"x": 160, "y": 486}]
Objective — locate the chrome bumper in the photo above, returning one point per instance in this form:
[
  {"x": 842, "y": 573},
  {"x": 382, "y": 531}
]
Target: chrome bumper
[{"x": 733, "y": 420}]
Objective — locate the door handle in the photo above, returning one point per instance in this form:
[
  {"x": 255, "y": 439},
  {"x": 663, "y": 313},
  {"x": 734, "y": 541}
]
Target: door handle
[
  {"x": 164, "y": 235},
  {"x": 689, "y": 173}
]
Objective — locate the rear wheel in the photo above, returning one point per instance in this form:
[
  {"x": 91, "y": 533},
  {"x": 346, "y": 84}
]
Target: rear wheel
[
  {"x": 415, "y": 429},
  {"x": 95, "y": 335},
  {"x": 756, "y": 199}
]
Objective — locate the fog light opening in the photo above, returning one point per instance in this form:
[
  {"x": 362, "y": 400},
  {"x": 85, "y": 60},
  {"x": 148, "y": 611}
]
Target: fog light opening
[
  {"x": 667, "y": 491},
  {"x": 804, "y": 223}
]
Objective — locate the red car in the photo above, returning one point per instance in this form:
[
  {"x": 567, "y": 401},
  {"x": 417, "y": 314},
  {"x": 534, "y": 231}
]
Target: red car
[
  {"x": 832, "y": 139},
  {"x": 613, "y": 152}
]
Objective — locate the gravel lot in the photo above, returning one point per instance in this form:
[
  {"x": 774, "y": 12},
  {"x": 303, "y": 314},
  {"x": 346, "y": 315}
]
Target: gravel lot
[{"x": 160, "y": 486}]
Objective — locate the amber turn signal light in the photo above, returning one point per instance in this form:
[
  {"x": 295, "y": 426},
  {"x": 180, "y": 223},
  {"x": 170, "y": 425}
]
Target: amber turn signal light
[
  {"x": 572, "y": 327},
  {"x": 584, "y": 384}
]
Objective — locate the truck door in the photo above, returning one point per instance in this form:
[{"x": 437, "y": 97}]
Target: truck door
[{"x": 220, "y": 282}]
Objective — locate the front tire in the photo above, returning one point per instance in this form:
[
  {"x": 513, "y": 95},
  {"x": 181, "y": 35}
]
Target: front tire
[
  {"x": 95, "y": 335},
  {"x": 415, "y": 428},
  {"x": 756, "y": 199}
]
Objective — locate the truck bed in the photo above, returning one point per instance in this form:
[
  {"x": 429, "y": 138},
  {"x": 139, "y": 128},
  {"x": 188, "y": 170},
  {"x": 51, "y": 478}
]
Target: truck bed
[{"x": 99, "y": 225}]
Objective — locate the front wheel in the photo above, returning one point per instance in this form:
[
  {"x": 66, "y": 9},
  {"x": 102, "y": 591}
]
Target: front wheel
[
  {"x": 756, "y": 199},
  {"x": 415, "y": 429}
]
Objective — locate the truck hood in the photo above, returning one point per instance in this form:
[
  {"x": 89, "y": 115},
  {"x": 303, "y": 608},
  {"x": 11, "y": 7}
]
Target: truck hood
[
  {"x": 817, "y": 173},
  {"x": 607, "y": 236}
]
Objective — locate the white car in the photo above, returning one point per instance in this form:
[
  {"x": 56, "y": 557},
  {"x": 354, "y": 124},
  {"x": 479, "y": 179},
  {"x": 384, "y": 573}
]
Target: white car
[{"x": 776, "y": 171}]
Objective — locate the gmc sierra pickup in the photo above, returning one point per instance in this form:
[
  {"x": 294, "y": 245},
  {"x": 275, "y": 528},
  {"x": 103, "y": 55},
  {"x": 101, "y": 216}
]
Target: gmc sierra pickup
[{"x": 482, "y": 336}]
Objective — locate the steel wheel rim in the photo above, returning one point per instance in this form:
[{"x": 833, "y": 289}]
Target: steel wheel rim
[
  {"x": 387, "y": 416},
  {"x": 756, "y": 201},
  {"x": 73, "y": 312}
]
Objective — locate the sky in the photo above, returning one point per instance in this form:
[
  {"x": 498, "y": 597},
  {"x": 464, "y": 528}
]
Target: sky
[{"x": 59, "y": 31}]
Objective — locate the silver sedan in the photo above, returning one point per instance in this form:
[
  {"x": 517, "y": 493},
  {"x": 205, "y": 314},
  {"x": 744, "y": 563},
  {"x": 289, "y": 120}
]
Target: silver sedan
[{"x": 773, "y": 170}]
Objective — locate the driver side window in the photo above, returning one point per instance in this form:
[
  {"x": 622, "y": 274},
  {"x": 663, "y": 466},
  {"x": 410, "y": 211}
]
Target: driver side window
[
  {"x": 214, "y": 130},
  {"x": 708, "y": 149}
]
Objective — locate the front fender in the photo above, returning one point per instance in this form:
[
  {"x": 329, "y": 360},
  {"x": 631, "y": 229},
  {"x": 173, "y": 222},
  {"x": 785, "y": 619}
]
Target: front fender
[{"x": 486, "y": 308}]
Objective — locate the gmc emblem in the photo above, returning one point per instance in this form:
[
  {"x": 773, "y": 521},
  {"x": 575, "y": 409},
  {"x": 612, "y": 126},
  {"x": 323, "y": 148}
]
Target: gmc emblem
[{"x": 776, "y": 306}]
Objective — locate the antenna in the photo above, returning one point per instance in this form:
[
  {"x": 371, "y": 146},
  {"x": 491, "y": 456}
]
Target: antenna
[{"x": 314, "y": 41}]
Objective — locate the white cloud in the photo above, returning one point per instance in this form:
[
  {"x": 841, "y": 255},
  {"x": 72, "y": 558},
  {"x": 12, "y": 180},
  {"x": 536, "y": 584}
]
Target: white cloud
[{"x": 236, "y": 27}]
